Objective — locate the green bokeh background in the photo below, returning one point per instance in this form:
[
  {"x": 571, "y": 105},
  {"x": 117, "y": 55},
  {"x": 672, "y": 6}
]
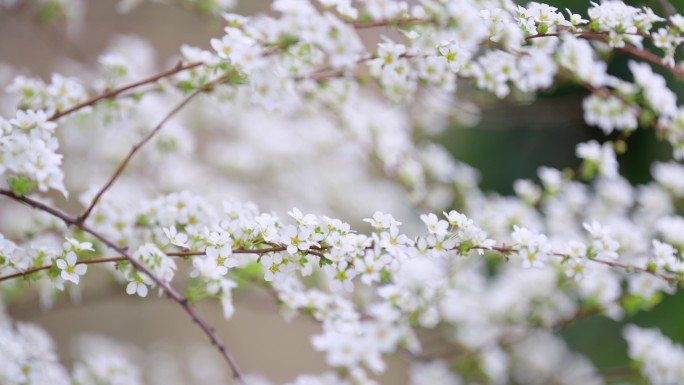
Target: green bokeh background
[{"x": 513, "y": 139}]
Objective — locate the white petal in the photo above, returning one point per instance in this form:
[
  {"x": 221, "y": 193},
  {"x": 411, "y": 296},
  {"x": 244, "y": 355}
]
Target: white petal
[
  {"x": 81, "y": 269},
  {"x": 71, "y": 258},
  {"x": 142, "y": 290},
  {"x": 130, "y": 288},
  {"x": 211, "y": 252}
]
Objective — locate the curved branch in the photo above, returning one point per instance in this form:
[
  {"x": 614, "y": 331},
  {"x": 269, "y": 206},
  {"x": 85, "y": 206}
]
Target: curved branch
[
  {"x": 81, "y": 219},
  {"x": 166, "y": 287},
  {"x": 113, "y": 93}
]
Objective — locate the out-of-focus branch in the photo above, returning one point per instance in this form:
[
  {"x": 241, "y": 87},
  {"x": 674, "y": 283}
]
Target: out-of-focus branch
[
  {"x": 142, "y": 142},
  {"x": 115, "y": 92}
]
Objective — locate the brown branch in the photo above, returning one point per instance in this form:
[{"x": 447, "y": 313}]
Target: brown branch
[
  {"x": 165, "y": 286},
  {"x": 180, "y": 254},
  {"x": 48, "y": 267},
  {"x": 142, "y": 142},
  {"x": 650, "y": 57},
  {"x": 388, "y": 23},
  {"x": 113, "y": 93},
  {"x": 669, "y": 278},
  {"x": 640, "y": 53}
]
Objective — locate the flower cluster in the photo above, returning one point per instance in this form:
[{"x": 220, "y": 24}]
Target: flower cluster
[
  {"x": 661, "y": 360},
  {"x": 28, "y": 151},
  {"x": 27, "y": 356}
]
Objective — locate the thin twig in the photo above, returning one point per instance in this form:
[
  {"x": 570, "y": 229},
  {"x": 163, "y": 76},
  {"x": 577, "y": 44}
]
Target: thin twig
[
  {"x": 640, "y": 53},
  {"x": 669, "y": 278},
  {"x": 165, "y": 286},
  {"x": 113, "y": 93},
  {"x": 180, "y": 254},
  {"x": 48, "y": 267},
  {"x": 142, "y": 142},
  {"x": 650, "y": 57},
  {"x": 388, "y": 23}
]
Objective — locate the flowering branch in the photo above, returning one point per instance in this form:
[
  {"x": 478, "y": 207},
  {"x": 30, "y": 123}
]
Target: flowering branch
[
  {"x": 298, "y": 59},
  {"x": 640, "y": 53},
  {"x": 145, "y": 139},
  {"x": 48, "y": 267},
  {"x": 628, "y": 268},
  {"x": 114, "y": 93},
  {"x": 168, "y": 289}
]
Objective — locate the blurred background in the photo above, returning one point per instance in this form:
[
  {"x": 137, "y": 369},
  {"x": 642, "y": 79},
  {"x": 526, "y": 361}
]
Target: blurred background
[{"x": 511, "y": 141}]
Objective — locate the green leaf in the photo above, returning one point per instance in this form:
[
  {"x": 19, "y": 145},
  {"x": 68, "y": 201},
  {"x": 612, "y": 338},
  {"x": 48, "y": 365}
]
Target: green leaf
[
  {"x": 54, "y": 271},
  {"x": 236, "y": 78},
  {"x": 543, "y": 29},
  {"x": 632, "y": 304},
  {"x": 186, "y": 86},
  {"x": 21, "y": 185},
  {"x": 589, "y": 170},
  {"x": 647, "y": 118},
  {"x": 51, "y": 11},
  {"x": 365, "y": 17},
  {"x": 196, "y": 292},
  {"x": 286, "y": 40},
  {"x": 465, "y": 247},
  {"x": 143, "y": 220},
  {"x": 324, "y": 261},
  {"x": 594, "y": 25},
  {"x": 385, "y": 276}
]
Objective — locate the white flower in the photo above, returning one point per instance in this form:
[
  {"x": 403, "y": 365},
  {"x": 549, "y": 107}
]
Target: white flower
[
  {"x": 661, "y": 359},
  {"x": 458, "y": 220},
  {"x": 433, "y": 372},
  {"x": 434, "y": 224},
  {"x": 664, "y": 254},
  {"x": 382, "y": 221},
  {"x": 671, "y": 176},
  {"x": 70, "y": 270},
  {"x": 601, "y": 157},
  {"x": 73, "y": 244},
  {"x": 609, "y": 113},
  {"x": 175, "y": 238},
  {"x": 139, "y": 285}
]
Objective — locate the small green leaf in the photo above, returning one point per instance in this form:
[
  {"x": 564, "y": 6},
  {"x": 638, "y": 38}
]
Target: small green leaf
[
  {"x": 122, "y": 265},
  {"x": 543, "y": 29},
  {"x": 236, "y": 78},
  {"x": 51, "y": 11},
  {"x": 286, "y": 40},
  {"x": 594, "y": 25},
  {"x": 196, "y": 292},
  {"x": 647, "y": 118},
  {"x": 589, "y": 170},
  {"x": 465, "y": 247},
  {"x": 143, "y": 220},
  {"x": 365, "y": 17},
  {"x": 54, "y": 271},
  {"x": 632, "y": 304},
  {"x": 385, "y": 276},
  {"x": 21, "y": 185}
]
